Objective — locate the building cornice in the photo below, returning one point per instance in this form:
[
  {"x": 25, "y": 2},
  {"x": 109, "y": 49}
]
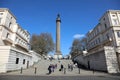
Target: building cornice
[{"x": 6, "y": 9}]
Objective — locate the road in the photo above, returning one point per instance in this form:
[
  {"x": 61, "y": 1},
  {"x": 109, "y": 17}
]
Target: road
[{"x": 18, "y": 77}]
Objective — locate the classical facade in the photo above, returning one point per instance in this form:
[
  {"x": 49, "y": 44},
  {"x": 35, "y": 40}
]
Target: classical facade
[
  {"x": 14, "y": 43},
  {"x": 103, "y": 44},
  {"x": 106, "y": 33}
]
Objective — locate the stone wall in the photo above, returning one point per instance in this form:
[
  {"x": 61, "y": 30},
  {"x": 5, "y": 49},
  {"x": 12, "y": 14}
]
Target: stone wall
[
  {"x": 104, "y": 60},
  {"x": 8, "y": 59},
  {"x": 97, "y": 61},
  {"x": 81, "y": 59},
  {"x": 111, "y": 60},
  {"x": 4, "y": 55},
  {"x": 11, "y": 64}
]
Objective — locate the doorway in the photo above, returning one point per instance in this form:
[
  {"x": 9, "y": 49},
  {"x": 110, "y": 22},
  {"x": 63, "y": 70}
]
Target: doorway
[
  {"x": 88, "y": 64},
  {"x": 27, "y": 64},
  {"x": 118, "y": 60}
]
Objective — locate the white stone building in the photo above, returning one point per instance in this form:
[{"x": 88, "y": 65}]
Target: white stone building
[
  {"x": 103, "y": 44},
  {"x": 14, "y": 43}
]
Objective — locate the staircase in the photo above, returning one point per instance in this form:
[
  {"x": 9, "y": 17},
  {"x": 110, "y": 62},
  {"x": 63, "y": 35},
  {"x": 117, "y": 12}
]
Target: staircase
[{"x": 42, "y": 69}]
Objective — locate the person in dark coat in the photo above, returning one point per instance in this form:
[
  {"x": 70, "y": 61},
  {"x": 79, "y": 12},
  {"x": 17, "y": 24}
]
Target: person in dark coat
[
  {"x": 62, "y": 67},
  {"x": 55, "y": 66},
  {"x": 49, "y": 69}
]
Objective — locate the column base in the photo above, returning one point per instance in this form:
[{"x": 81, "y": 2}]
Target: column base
[{"x": 56, "y": 56}]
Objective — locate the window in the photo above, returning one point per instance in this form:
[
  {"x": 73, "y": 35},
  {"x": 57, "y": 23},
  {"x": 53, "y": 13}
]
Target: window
[
  {"x": 16, "y": 39},
  {"x": 113, "y": 15},
  {"x": 104, "y": 19},
  {"x": 107, "y": 36},
  {"x": 19, "y": 41},
  {"x": 10, "y": 24},
  {"x": 17, "y": 60},
  {"x": 118, "y": 34},
  {"x": 98, "y": 40},
  {"x": 105, "y": 26},
  {"x": 115, "y": 22},
  {"x": 97, "y": 30},
  {"x": 7, "y": 36},
  {"x": 1, "y": 13},
  {"x": 23, "y": 61}
]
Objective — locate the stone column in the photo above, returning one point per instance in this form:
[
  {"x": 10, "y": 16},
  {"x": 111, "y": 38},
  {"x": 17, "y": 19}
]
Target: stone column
[
  {"x": 58, "y": 52},
  {"x": 58, "y": 21}
]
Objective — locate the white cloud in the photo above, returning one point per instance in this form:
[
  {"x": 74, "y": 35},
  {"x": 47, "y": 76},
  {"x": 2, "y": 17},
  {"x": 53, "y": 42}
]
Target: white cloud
[{"x": 78, "y": 36}]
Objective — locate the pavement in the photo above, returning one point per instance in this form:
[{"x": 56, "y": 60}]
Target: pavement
[
  {"x": 42, "y": 70},
  {"x": 19, "y": 77}
]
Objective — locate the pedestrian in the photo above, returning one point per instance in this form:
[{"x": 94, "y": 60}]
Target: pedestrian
[
  {"x": 76, "y": 65},
  {"x": 55, "y": 66},
  {"x": 50, "y": 59},
  {"x": 71, "y": 66},
  {"x": 68, "y": 66},
  {"x": 62, "y": 67},
  {"x": 49, "y": 69},
  {"x": 52, "y": 68}
]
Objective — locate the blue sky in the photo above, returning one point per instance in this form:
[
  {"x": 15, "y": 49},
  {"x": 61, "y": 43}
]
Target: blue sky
[{"x": 78, "y": 16}]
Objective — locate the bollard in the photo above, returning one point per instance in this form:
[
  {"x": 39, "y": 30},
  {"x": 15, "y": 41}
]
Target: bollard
[
  {"x": 79, "y": 70},
  {"x": 93, "y": 71},
  {"x": 35, "y": 70},
  {"x": 64, "y": 70},
  {"x": 21, "y": 70}
]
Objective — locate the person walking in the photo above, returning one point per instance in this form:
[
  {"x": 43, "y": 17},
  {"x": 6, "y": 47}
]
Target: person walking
[
  {"x": 55, "y": 66},
  {"x": 52, "y": 68},
  {"x": 62, "y": 67},
  {"x": 71, "y": 66},
  {"x": 68, "y": 66},
  {"x": 49, "y": 69}
]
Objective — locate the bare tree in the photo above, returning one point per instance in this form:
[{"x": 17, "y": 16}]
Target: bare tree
[
  {"x": 76, "y": 48},
  {"x": 42, "y": 44}
]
